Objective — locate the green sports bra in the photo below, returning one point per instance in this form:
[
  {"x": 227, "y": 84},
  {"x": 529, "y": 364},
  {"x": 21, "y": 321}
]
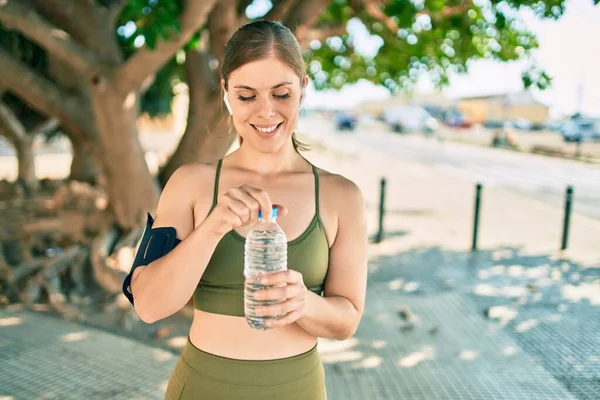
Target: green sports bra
[{"x": 221, "y": 288}]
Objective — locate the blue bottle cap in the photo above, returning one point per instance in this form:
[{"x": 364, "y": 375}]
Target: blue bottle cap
[{"x": 273, "y": 213}]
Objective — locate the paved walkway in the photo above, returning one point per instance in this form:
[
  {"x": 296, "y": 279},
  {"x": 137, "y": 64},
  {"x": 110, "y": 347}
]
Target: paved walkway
[{"x": 517, "y": 320}]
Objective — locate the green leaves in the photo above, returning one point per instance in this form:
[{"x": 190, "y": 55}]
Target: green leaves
[
  {"x": 434, "y": 37},
  {"x": 154, "y": 20},
  {"x": 536, "y": 77}
]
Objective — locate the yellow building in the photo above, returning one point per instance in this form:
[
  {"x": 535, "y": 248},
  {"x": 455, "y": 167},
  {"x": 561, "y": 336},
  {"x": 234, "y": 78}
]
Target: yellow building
[{"x": 504, "y": 107}]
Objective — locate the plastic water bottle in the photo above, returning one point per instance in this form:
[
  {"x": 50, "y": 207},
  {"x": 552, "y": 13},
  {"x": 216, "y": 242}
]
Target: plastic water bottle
[{"x": 265, "y": 252}]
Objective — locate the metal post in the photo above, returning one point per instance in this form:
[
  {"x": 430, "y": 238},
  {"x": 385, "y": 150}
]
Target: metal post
[
  {"x": 568, "y": 204},
  {"x": 476, "y": 218},
  {"x": 379, "y": 236}
]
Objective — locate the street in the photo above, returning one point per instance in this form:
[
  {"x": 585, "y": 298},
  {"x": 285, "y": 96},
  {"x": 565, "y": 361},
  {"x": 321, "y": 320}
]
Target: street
[{"x": 540, "y": 177}]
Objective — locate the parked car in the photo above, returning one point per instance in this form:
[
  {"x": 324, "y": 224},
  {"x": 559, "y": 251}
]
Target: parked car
[
  {"x": 410, "y": 119},
  {"x": 456, "y": 119},
  {"x": 581, "y": 129},
  {"x": 345, "y": 121},
  {"x": 522, "y": 124}
]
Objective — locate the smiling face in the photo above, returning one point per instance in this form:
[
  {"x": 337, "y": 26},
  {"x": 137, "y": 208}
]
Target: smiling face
[{"x": 265, "y": 100}]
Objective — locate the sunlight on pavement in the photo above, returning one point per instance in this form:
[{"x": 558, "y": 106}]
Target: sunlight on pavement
[
  {"x": 162, "y": 355},
  {"x": 518, "y": 271},
  {"x": 509, "y": 351},
  {"x": 468, "y": 355},
  {"x": 527, "y": 325},
  {"x": 411, "y": 287},
  {"x": 396, "y": 284},
  {"x": 329, "y": 358},
  {"x": 333, "y": 351},
  {"x": 413, "y": 359},
  {"x": 507, "y": 291},
  {"x": 162, "y": 387},
  {"x": 74, "y": 336},
  {"x": 556, "y": 276},
  {"x": 11, "y": 321},
  {"x": 589, "y": 291},
  {"x": 379, "y": 344},
  {"x": 563, "y": 308},
  {"x": 489, "y": 272},
  {"x": 501, "y": 254},
  {"x": 178, "y": 342},
  {"x": 503, "y": 313},
  {"x": 368, "y": 363},
  {"x": 333, "y": 346}
]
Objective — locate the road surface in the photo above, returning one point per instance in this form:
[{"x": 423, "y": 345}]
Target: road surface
[{"x": 540, "y": 177}]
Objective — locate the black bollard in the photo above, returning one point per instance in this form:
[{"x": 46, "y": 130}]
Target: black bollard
[
  {"x": 379, "y": 236},
  {"x": 476, "y": 217},
  {"x": 567, "y": 220}
]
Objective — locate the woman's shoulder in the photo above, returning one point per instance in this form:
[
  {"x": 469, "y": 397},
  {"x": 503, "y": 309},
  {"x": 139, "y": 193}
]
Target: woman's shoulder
[
  {"x": 193, "y": 175},
  {"x": 337, "y": 186},
  {"x": 193, "y": 172}
]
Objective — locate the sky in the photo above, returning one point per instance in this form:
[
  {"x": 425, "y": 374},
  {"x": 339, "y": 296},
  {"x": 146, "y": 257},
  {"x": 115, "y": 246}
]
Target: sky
[{"x": 569, "y": 51}]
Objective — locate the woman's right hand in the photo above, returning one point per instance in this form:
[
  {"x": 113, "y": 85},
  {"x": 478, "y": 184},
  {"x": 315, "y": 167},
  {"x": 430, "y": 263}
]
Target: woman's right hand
[{"x": 239, "y": 206}]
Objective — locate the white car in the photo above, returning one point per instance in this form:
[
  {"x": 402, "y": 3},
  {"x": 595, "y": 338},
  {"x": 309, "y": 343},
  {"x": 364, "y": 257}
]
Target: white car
[
  {"x": 581, "y": 129},
  {"x": 409, "y": 119}
]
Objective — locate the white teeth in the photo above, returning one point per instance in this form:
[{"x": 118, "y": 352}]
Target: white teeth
[{"x": 267, "y": 130}]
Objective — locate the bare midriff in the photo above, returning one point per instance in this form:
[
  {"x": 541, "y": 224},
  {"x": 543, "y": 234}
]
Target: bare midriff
[{"x": 232, "y": 337}]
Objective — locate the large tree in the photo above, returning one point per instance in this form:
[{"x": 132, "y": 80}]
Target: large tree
[{"x": 89, "y": 68}]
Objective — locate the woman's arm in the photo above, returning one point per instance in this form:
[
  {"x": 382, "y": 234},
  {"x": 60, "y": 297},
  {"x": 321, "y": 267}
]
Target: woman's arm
[
  {"x": 164, "y": 286},
  {"x": 338, "y": 313}
]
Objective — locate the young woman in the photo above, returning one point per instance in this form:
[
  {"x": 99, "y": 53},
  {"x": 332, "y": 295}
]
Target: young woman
[{"x": 195, "y": 247}]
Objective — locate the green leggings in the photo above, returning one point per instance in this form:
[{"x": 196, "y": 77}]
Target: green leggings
[{"x": 200, "y": 375}]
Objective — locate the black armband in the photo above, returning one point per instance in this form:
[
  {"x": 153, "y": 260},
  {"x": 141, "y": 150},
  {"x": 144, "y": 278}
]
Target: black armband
[{"x": 155, "y": 243}]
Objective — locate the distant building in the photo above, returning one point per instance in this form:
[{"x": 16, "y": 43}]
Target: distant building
[
  {"x": 435, "y": 99},
  {"x": 504, "y": 107}
]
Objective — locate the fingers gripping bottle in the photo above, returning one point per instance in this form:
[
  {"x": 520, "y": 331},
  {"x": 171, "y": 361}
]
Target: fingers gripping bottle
[{"x": 265, "y": 252}]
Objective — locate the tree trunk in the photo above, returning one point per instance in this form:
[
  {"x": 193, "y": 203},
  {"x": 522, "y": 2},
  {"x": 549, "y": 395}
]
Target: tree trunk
[
  {"x": 83, "y": 165},
  {"x": 206, "y": 137},
  {"x": 130, "y": 187},
  {"x": 26, "y": 175},
  {"x": 14, "y": 130}
]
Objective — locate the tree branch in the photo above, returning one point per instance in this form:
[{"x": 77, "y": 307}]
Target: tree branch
[
  {"x": 322, "y": 33},
  {"x": 88, "y": 3},
  {"x": 221, "y": 21},
  {"x": 303, "y": 16},
  {"x": 373, "y": 8},
  {"x": 46, "y": 126},
  {"x": 41, "y": 93},
  {"x": 280, "y": 10},
  {"x": 16, "y": 16},
  {"x": 449, "y": 11},
  {"x": 114, "y": 11},
  {"x": 241, "y": 8},
  {"x": 86, "y": 25},
  {"x": 13, "y": 127},
  {"x": 144, "y": 64}
]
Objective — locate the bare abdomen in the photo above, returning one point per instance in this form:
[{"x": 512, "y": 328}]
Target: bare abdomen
[{"x": 231, "y": 337}]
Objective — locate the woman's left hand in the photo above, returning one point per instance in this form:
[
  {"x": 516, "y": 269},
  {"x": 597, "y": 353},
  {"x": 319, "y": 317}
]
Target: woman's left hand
[{"x": 292, "y": 296}]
